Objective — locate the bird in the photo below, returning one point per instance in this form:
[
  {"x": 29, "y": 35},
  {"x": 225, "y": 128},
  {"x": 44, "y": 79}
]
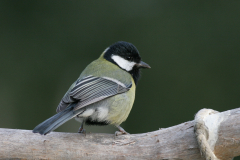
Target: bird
[{"x": 103, "y": 94}]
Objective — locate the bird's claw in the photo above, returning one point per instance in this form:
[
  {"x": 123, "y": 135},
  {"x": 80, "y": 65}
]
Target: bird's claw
[
  {"x": 83, "y": 131},
  {"x": 117, "y": 133},
  {"x": 120, "y": 132}
]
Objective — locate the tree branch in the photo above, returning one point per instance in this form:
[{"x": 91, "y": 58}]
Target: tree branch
[{"x": 177, "y": 142}]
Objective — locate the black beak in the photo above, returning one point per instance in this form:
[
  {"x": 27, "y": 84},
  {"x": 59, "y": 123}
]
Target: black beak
[{"x": 142, "y": 65}]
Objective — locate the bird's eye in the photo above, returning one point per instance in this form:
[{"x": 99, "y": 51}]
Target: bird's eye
[{"x": 130, "y": 58}]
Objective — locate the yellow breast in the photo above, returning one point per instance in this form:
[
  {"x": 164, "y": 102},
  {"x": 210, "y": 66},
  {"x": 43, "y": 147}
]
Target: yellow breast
[{"x": 121, "y": 106}]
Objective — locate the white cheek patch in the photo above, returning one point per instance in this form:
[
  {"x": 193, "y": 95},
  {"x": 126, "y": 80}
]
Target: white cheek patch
[{"x": 123, "y": 63}]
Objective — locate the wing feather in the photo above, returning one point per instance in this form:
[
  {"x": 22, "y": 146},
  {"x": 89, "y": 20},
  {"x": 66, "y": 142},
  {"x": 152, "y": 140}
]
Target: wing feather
[{"x": 92, "y": 89}]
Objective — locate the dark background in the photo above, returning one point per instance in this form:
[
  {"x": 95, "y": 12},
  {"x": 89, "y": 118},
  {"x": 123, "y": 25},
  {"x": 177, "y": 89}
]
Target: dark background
[{"x": 192, "y": 47}]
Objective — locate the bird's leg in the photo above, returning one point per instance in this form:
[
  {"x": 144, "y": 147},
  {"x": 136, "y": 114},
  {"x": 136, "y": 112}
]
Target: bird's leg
[
  {"x": 81, "y": 130},
  {"x": 121, "y": 131}
]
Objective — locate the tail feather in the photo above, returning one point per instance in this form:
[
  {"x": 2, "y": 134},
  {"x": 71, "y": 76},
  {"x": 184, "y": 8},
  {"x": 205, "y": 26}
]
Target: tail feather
[{"x": 55, "y": 121}]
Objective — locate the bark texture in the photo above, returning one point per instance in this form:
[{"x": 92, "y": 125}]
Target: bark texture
[{"x": 173, "y": 143}]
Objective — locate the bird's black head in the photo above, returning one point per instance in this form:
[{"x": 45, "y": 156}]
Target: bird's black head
[{"x": 126, "y": 56}]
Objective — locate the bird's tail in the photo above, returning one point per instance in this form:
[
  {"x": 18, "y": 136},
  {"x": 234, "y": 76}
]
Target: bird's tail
[{"x": 55, "y": 121}]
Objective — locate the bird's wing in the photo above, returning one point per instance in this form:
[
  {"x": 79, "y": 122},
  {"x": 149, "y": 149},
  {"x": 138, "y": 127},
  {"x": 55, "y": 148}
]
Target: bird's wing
[{"x": 92, "y": 89}]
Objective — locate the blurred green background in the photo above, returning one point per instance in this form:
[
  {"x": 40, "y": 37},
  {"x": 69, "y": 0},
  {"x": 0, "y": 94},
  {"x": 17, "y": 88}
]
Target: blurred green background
[{"x": 192, "y": 47}]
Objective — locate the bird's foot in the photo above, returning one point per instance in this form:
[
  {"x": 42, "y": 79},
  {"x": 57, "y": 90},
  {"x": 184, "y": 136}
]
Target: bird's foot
[
  {"x": 120, "y": 132},
  {"x": 81, "y": 130}
]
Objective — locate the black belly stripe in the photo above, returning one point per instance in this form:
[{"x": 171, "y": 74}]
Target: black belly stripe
[{"x": 89, "y": 121}]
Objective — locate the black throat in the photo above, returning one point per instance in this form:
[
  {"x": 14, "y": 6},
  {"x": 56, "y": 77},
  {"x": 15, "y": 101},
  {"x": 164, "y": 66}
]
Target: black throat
[{"x": 136, "y": 74}]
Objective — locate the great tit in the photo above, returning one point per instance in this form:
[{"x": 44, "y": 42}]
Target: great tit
[{"x": 103, "y": 94}]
